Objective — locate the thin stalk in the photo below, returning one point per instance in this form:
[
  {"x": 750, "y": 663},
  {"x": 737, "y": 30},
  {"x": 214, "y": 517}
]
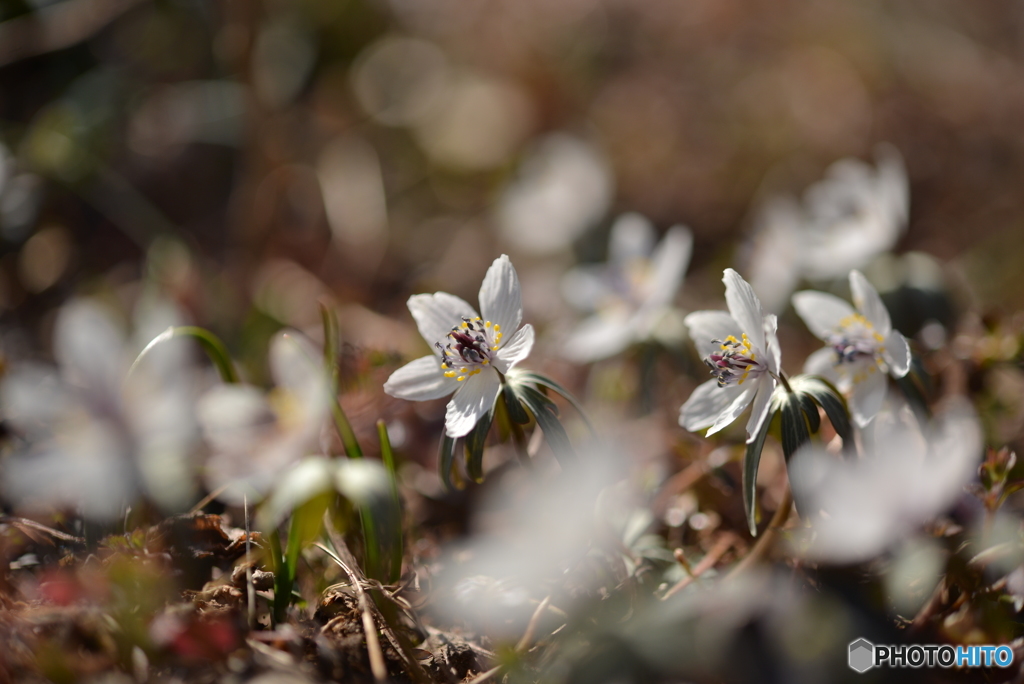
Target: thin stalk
[
  {"x": 389, "y": 463},
  {"x": 766, "y": 541},
  {"x": 282, "y": 585}
]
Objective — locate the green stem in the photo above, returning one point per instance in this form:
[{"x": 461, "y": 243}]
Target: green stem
[
  {"x": 282, "y": 580},
  {"x": 397, "y": 544},
  {"x": 781, "y": 377},
  {"x": 211, "y": 344}
]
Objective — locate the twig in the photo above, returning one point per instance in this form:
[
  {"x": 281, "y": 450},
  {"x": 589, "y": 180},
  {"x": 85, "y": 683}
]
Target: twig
[
  {"x": 347, "y": 561},
  {"x": 764, "y": 544},
  {"x": 929, "y": 609},
  {"x": 377, "y": 665},
  {"x": 32, "y": 524},
  {"x": 249, "y": 587},
  {"x": 481, "y": 678},
  {"x": 531, "y": 626},
  {"x": 724, "y": 543}
]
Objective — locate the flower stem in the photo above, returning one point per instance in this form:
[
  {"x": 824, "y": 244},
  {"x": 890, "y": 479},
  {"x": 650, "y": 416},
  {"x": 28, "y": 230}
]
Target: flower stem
[
  {"x": 764, "y": 544},
  {"x": 781, "y": 377}
]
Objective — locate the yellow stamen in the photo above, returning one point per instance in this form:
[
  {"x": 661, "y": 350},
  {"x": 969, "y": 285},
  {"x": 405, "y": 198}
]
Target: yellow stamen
[
  {"x": 449, "y": 374},
  {"x": 460, "y": 378},
  {"x": 497, "y": 327}
]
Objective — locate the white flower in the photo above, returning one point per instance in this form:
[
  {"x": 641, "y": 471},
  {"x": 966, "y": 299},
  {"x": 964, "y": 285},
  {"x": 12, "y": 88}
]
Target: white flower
[
  {"x": 94, "y": 439},
  {"x": 861, "y": 344},
  {"x": 631, "y": 292},
  {"x": 742, "y": 351},
  {"x": 470, "y": 351},
  {"x": 256, "y": 436},
  {"x": 846, "y": 219},
  {"x": 905, "y": 479}
]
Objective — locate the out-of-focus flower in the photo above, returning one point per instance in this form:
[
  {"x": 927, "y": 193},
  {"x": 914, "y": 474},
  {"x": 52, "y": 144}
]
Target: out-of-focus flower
[
  {"x": 256, "y": 436},
  {"x": 20, "y": 198},
  {"x": 906, "y": 478},
  {"x": 742, "y": 351},
  {"x": 849, "y": 217},
  {"x": 631, "y": 292},
  {"x": 564, "y": 187},
  {"x": 861, "y": 345},
  {"x": 471, "y": 353},
  {"x": 94, "y": 439}
]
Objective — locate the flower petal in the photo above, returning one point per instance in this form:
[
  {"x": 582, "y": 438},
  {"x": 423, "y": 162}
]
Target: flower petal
[
  {"x": 745, "y": 307},
  {"x": 772, "y": 347},
  {"x": 598, "y": 337},
  {"x": 868, "y": 394},
  {"x": 668, "y": 265},
  {"x": 473, "y": 399},
  {"x": 501, "y": 300},
  {"x": 516, "y": 349},
  {"x": 706, "y": 403},
  {"x": 866, "y": 298},
  {"x": 823, "y": 363},
  {"x": 632, "y": 237},
  {"x": 705, "y": 326},
  {"x": 821, "y": 312},
  {"x": 762, "y": 400},
  {"x": 734, "y": 409},
  {"x": 420, "y": 380},
  {"x": 897, "y": 354},
  {"x": 436, "y": 314}
]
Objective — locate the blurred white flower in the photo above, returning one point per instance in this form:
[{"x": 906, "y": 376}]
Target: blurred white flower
[
  {"x": 861, "y": 345},
  {"x": 20, "y": 198},
  {"x": 95, "y": 439},
  {"x": 631, "y": 292},
  {"x": 738, "y": 347},
  {"x": 564, "y": 187},
  {"x": 471, "y": 353},
  {"x": 255, "y": 436},
  {"x": 849, "y": 217},
  {"x": 861, "y": 507}
]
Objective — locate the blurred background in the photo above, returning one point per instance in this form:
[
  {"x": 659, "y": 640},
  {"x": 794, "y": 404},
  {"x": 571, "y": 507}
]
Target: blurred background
[{"x": 252, "y": 156}]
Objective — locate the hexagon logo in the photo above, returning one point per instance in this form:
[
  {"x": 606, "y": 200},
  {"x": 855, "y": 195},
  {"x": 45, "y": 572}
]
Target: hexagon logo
[{"x": 862, "y": 655}]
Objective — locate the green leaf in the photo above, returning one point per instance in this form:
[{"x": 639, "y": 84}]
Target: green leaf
[
  {"x": 829, "y": 398},
  {"x": 210, "y": 343},
  {"x": 544, "y": 381},
  {"x": 810, "y": 409},
  {"x": 546, "y": 414},
  {"x": 396, "y": 541},
  {"x": 516, "y": 412},
  {"x": 474, "y": 443},
  {"x": 445, "y": 460},
  {"x": 751, "y": 460},
  {"x": 794, "y": 425}
]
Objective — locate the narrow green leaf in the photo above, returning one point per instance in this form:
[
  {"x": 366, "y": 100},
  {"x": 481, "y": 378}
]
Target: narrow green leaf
[
  {"x": 515, "y": 408},
  {"x": 211, "y": 344},
  {"x": 751, "y": 460},
  {"x": 397, "y": 543},
  {"x": 445, "y": 460},
  {"x": 329, "y": 318},
  {"x": 794, "y": 426},
  {"x": 545, "y": 381},
  {"x": 810, "y": 409},
  {"x": 474, "y": 443},
  {"x": 546, "y": 414},
  {"x": 829, "y": 398}
]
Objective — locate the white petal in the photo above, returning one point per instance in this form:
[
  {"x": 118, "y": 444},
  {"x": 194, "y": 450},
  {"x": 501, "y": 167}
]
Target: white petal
[
  {"x": 706, "y": 403},
  {"x": 705, "y": 326},
  {"x": 668, "y": 265},
  {"x": 420, "y": 380},
  {"x": 745, "y": 307},
  {"x": 821, "y": 312},
  {"x": 759, "y": 411},
  {"x": 868, "y": 395},
  {"x": 89, "y": 347},
  {"x": 517, "y": 349},
  {"x": 772, "y": 347},
  {"x": 436, "y": 314},
  {"x": 586, "y": 287},
  {"x": 501, "y": 300},
  {"x": 632, "y": 237},
  {"x": 897, "y": 354},
  {"x": 866, "y": 298},
  {"x": 823, "y": 363},
  {"x": 598, "y": 337},
  {"x": 733, "y": 410},
  {"x": 470, "y": 403}
]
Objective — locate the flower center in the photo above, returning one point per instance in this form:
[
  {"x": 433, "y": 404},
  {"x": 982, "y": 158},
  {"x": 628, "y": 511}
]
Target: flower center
[
  {"x": 734, "y": 361},
  {"x": 855, "y": 339},
  {"x": 470, "y": 346}
]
